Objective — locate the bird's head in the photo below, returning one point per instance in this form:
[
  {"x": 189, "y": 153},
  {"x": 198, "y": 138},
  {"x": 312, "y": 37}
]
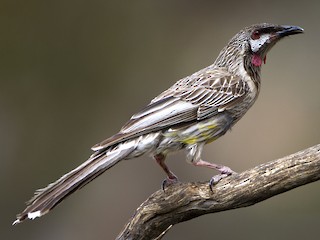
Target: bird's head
[
  {"x": 262, "y": 37},
  {"x": 250, "y": 46}
]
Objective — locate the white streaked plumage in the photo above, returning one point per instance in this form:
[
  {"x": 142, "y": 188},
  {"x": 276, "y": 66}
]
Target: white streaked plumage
[
  {"x": 33, "y": 215},
  {"x": 193, "y": 112}
]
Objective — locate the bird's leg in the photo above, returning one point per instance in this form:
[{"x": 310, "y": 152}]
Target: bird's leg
[
  {"x": 171, "y": 178},
  {"x": 224, "y": 171},
  {"x": 194, "y": 157}
]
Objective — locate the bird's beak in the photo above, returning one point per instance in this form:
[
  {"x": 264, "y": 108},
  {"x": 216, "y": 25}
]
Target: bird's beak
[{"x": 289, "y": 30}]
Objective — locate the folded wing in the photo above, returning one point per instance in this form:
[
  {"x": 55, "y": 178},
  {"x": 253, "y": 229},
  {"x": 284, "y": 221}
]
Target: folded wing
[{"x": 190, "y": 99}]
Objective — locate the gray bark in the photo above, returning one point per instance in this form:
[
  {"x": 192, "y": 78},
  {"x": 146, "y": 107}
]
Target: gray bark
[{"x": 184, "y": 201}]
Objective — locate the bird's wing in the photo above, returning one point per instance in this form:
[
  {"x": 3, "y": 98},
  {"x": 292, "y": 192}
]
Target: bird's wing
[
  {"x": 193, "y": 98},
  {"x": 214, "y": 91},
  {"x": 158, "y": 115}
]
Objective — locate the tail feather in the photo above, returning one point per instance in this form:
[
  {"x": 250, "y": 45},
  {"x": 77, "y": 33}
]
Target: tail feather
[{"x": 47, "y": 198}]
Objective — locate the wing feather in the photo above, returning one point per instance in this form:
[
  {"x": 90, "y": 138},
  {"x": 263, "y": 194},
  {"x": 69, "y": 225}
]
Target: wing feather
[
  {"x": 193, "y": 98},
  {"x": 158, "y": 115}
]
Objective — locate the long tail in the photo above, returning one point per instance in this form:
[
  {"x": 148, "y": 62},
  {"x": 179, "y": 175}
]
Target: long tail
[{"x": 47, "y": 198}]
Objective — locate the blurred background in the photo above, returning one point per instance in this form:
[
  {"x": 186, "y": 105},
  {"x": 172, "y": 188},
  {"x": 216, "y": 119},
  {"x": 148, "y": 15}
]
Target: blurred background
[{"x": 73, "y": 72}]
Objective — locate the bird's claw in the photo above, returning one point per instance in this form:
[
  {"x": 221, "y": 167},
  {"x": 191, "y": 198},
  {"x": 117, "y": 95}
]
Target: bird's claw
[
  {"x": 215, "y": 179},
  {"x": 168, "y": 182},
  {"x": 225, "y": 172}
]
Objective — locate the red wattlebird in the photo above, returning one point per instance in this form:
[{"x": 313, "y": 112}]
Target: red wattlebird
[{"x": 195, "y": 111}]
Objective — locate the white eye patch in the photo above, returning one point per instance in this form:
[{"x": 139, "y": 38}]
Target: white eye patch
[{"x": 257, "y": 43}]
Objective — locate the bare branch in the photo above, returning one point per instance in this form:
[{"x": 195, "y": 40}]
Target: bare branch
[{"x": 185, "y": 201}]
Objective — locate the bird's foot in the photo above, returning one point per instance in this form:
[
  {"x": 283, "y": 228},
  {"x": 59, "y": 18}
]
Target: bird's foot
[
  {"x": 224, "y": 172},
  {"x": 168, "y": 182}
]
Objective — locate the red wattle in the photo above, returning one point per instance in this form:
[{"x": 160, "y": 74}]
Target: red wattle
[{"x": 256, "y": 60}]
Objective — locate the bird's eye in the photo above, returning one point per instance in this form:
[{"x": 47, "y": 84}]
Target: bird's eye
[{"x": 255, "y": 35}]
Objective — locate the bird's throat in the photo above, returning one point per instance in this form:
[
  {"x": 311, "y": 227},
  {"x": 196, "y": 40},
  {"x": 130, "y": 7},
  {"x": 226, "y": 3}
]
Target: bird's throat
[{"x": 257, "y": 61}]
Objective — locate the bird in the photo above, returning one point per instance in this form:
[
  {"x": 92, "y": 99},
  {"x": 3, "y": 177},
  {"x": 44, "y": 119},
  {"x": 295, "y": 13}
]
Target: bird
[{"x": 193, "y": 112}]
